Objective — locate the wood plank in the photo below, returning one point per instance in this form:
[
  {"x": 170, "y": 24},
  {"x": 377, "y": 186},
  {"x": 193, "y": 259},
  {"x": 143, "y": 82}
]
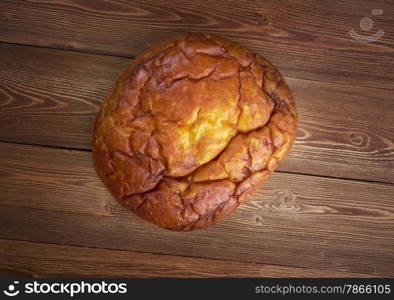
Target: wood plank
[
  {"x": 293, "y": 220},
  {"x": 306, "y": 40},
  {"x": 30, "y": 259},
  {"x": 51, "y": 97},
  {"x": 45, "y": 177}
]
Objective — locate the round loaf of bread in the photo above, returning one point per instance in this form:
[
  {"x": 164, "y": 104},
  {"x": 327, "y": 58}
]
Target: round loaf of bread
[{"x": 191, "y": 128}]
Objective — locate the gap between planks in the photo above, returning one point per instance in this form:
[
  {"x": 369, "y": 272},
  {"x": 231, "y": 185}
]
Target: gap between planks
[
  {"x": 305, "y": 39},
  {"x": 131, "y": 57},
  {"x": 277, "y": 171},
  {"x": 33, "y": 259}
]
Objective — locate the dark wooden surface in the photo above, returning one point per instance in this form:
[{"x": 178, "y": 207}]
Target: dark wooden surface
[
  {"x": 31, "y": 259},
  {"x": 307, "y": 40},
  {"x": 328, "y": 211}
]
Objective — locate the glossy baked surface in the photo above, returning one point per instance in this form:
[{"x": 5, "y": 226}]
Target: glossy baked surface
[{"x": 191, "y": 128}]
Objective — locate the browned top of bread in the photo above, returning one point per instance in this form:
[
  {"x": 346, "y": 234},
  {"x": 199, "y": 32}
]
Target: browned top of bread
[{"x": 191, "y": 128}]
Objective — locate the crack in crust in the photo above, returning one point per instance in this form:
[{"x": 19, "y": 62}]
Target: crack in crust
[{"x": 191, "y": 128}]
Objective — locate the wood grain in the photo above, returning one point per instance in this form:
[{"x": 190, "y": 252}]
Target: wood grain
[
  {"x": 42, "y": 178},
  {"x": 51, "y": 97},
  {"x": 306, "y": 40},
  {"x": 293, "y": 220},
  {"x": 56, "y": 217},
  {"x": 30, "y": 259}
]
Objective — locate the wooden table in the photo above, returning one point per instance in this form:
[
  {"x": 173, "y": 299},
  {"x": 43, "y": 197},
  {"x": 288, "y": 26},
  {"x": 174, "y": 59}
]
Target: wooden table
[{"x": 328, "y": 211}]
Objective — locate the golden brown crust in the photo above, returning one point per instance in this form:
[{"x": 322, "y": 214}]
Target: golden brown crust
[{"x": 191, "y": 129}]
